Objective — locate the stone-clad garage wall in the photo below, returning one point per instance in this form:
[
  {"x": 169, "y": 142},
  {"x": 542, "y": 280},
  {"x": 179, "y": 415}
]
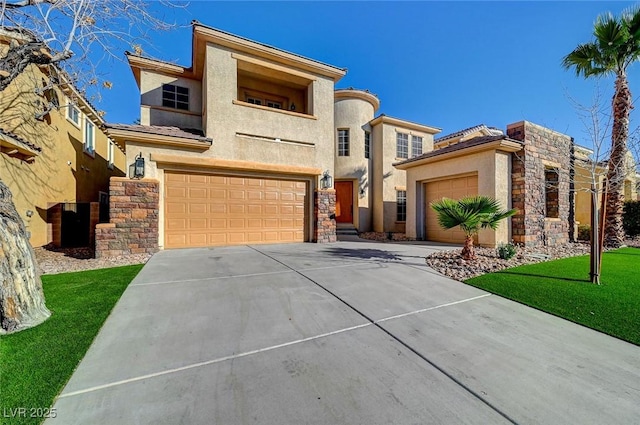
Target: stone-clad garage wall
[
  {"x": 133, "y": 223},
  {"x": 544, "y": 204}
]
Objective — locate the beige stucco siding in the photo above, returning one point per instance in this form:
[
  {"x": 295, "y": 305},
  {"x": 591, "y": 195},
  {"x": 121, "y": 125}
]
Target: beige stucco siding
[
  {"x": 245, "y": 132},
  {"x": 389, "y": 179},
  {"x": 153, "y": 113},
  {"x": 493, "y": 170},
  {"x": 354, "y": 115}
]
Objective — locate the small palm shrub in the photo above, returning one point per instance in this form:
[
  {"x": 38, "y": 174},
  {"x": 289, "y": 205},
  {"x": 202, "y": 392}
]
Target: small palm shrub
[
  {"x": 506, "y": 251},
  {"x": 471, "y": 214}
]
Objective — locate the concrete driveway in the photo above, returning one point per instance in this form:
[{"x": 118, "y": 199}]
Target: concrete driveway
[{"x": 344, "y": 333}]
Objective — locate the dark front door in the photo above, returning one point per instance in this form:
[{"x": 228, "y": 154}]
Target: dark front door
[{"x": 344, "y": 202}]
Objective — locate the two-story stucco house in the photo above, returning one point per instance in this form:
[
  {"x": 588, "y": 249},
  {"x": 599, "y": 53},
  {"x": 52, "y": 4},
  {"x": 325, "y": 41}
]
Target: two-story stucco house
[
  {"x": 54, "y": 156},
  {"x": 241, "y": 141}
]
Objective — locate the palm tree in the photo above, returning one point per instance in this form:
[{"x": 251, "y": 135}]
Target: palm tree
[
  {"x": 471, "y": 214},
  {"x": 616, "y": 45}
]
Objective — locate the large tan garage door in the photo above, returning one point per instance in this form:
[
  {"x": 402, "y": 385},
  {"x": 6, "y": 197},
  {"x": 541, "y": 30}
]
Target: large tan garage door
[
  {"x": 209, "y": 210},
  {"x": 454, "y": 188}
]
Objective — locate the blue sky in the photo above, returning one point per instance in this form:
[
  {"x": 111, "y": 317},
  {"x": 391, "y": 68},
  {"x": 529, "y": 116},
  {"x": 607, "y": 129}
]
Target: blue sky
[{"x": 450, "y": 64}]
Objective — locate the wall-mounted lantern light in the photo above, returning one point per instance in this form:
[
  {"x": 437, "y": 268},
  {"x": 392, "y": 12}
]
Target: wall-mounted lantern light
[
  {"x": 326, "y": 182},
  {"x": 137, "y": 167}
]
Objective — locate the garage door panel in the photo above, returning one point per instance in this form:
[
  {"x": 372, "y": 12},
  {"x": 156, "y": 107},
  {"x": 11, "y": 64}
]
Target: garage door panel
[
  {"x": 207, "y": 210},
  {"x": 454, "y": 188}
]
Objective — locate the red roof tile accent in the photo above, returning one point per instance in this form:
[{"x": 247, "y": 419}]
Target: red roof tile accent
[
  {"x": 185, "y": 133},
  {"x": 22, "y": 141}
]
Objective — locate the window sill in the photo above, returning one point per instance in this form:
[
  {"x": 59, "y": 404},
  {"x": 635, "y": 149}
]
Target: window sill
[
  {"x": 400, "y": 159},
  {"x": 401, "y": 222},
  {"x": 75, "y": 124},
  {"x": 174, "y": 110},
  {"x": 110, "y": 166},
  {"x": 552, "y": 219},
  {"x": 280, "y": 111},
  {"x": 89, "y": 153}
]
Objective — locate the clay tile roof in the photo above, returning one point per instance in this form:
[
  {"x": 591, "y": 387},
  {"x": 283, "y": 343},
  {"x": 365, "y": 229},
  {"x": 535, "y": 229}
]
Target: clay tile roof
[
  {"x": 476, "y": 141},
  {"x": 461, "y": 132},
  {"x": 21, "y": 141},
  {"x": 185, "y": 133}
]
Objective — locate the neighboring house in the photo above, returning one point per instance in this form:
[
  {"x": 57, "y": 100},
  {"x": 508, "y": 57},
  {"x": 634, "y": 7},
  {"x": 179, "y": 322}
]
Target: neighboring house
[
  {"x": 586, "y": 174},
  {"x": 54, "y": 156},
  {"x": 539, "y": 171}
]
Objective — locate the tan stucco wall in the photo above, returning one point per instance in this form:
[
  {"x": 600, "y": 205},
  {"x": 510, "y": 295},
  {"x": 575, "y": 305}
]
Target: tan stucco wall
[
  {"x": 244, "y": 132},
  {"x": 153, "y": 113},
  {"x": 386, "y": 178},
  {"x": 50, "y": 178},
  {"x": 354, "y": 114},
  {"x": 493, "y": 170}
]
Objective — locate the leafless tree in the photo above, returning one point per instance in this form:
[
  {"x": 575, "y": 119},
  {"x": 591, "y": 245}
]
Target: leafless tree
[{"x": 73, "y": 38}]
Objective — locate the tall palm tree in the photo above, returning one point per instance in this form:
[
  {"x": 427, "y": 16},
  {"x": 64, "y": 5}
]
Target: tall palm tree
[
  {"x": 616, "y": 45},
  {"x": 471, "y": 214}
]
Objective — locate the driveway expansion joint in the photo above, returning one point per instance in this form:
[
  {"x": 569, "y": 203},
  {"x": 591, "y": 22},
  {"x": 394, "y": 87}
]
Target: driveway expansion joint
[{"x": 398, "y": 339}]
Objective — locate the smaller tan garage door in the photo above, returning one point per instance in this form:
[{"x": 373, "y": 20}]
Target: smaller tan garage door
[
  {"x": 209, "y": 210},
  {"x": 454, "y": 188}
]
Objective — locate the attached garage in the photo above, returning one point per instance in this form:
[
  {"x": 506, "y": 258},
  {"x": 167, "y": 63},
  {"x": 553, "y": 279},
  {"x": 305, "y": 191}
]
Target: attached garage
[
  {"x": 453, "y": 188},
  {"x": 213, "y": 210}
]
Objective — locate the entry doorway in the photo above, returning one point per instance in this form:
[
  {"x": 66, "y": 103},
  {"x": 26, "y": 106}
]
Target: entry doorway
[{"x": 344, "y": 201}]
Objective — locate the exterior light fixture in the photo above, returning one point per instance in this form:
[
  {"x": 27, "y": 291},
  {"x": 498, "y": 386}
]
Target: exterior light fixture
[
  {"x": 292, "y": 107},
  {"x": 138, "y": 167},
  {"x": 29, "y": 213},
  {"x": 326, "y": 182}
]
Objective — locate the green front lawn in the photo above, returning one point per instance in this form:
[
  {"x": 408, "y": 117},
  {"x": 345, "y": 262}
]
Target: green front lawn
[
  {"x": 36, "y": 363},
  {"x": 562, "y": 288}
]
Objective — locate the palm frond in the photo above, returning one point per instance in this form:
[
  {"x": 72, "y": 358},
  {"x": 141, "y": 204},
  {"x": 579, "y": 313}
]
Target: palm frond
[
  {"x": 470, "y": 213},
  {"x": 587, "y": 60}
]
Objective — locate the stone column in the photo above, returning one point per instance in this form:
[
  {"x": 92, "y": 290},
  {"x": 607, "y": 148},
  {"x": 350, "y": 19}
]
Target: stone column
[
  {"x": 133, "y": 214},
  {"x": 324, "y": 213}
]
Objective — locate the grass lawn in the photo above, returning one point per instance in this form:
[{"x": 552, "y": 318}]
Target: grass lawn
[
  {"x": 36, "y": 363},
  {"x": 562, "y": 288}
]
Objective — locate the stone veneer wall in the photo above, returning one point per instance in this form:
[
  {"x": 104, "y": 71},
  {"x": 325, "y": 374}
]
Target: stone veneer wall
[
  {"x": 542, "y": 148},
  {"x": 324, "y": 229},
  {"x": 133, "y": 218}
]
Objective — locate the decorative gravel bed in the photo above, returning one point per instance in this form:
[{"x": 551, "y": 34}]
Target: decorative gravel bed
[
  {"x": 59, "y": 260},
  {"x": 450, "y": 264}
]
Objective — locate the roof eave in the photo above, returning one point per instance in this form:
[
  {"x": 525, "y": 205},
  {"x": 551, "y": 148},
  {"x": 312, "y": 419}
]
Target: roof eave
[
  {"x": 504, "y": 145},
  {"x": 221, "y": 38},
  {"x": 122, "y": 136}
]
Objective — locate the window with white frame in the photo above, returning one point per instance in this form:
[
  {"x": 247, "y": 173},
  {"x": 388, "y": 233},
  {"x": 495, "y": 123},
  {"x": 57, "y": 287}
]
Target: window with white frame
[
  {"x": 89, "y": 136},
  {"x": 402, "y": 145},
  {"x": 367, "y": 144},
  {"x": 175, "y": 97},
  {"x": 401, "y": 205},
  {"x": 343, "y": 142},
  {"x": 110, "y": 154},
  {"x": 73, "y": 114},
  {"x": 416, "y": 146}
]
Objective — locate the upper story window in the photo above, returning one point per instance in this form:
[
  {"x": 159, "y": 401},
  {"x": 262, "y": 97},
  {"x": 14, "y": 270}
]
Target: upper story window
[
  {"x": 73, "y": 114},
  {"x": 402, "y": 145},
  {"x": 401, "y": 205},
  {"x": 89, "y": 136},
  {"x": 175, "y": 97},
  {"x": 343, "y": 142},
  {"x": 416, "y": 146},
  {"x": 367, "y": 144},
  {"x": 265, "y": 99}
]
